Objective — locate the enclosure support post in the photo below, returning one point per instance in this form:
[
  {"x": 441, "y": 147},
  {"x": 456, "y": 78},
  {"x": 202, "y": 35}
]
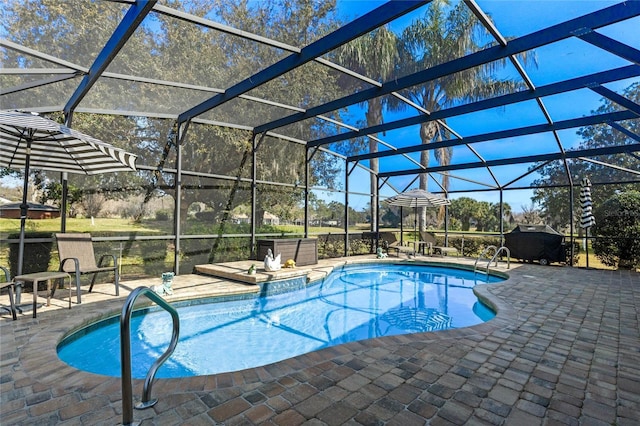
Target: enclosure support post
[
  {"x": 571, "y": 222},
  {"x": 254, "y": 171},
  {"x": 346, "y": 208},
  {"x": 501, "y": 217},
  {"x": 64, "y": 176},
  {"x": 307, "y": 161},
  {"x": 179, "y": 135},
  {"x": 377, "y": 218}
]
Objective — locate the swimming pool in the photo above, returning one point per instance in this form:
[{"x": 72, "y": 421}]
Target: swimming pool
[{"x": 355, "y": 302}]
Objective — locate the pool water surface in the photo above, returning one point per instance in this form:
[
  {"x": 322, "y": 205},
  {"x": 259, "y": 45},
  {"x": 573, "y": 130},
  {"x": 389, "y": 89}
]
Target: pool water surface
[{"x": 353, "y": 303}]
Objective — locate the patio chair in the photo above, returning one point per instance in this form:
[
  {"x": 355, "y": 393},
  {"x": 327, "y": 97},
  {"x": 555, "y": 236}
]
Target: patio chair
[
  {"x": 77, "y": 257},
  {"x": 390, "y": 242},
  {"x": 10, "y": 286},
  {"x": 430, "y": 239}
]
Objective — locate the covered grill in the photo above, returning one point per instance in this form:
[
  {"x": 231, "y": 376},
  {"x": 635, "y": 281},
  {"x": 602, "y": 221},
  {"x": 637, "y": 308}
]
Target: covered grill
[{"x": 536, "y": 242}]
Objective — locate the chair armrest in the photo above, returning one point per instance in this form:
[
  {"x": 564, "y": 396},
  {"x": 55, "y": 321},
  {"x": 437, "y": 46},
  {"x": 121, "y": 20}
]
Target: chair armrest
[
  {"x": 76, "y": 263},
  {"x": 105, "y": 256},
  {"x": 7, "y": 275}
]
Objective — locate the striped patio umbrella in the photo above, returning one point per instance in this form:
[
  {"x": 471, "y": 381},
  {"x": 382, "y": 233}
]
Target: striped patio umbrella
[
  {"x": 587, "y": 220},
  {"x": 29, "y": 140},
  {"x": 417, "y": 198}
]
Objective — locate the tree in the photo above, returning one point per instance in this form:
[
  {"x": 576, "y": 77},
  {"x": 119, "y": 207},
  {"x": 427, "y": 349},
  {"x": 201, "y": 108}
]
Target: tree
[
  {"x": 488, "y": 216},
  {"x": 93, "y": 204},
  {"x": 390, "y": 216},
  {"x": 617, "y": 231},
  {"x": 552, "y": 193},
  {"x": 374, "y": 55},
  {"x": 228, "y": 151},
  {"x": 446, "y": 33},
  {"x": 166, "y": 49},
  {"x": 52, "y": 193},
  {"x": 79, "y": 30},
  {"x": 485, "y": 220},
  {"x": 464, "y": 209},
  {"x": 531, "y": 215}
]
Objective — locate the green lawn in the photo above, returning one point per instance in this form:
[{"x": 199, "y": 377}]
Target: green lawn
[{"x": 81, "y": 225}]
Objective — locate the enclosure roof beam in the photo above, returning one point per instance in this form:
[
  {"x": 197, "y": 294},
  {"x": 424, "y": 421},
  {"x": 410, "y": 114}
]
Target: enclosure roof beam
[
  {"x": 624, "y": 130},
  {"x": 38, "y": 83},
  {"x": 528, "y": 172},
  {"x": 628, "y": 71},
  {"x": 36, "y": 71},
  {"x": 132, "y": 19},
  {"x": 522, "y": 160},
  {"x": 612, "y": 46},
  {"x": 600, "y": 18},
  {"x": 366, "y": 23},
  {"x": 45, "y": 57},
  {"x": 614, "y": 97},
  {"x": 503, "y": 134},
  {"x": 612, "y": 166}
]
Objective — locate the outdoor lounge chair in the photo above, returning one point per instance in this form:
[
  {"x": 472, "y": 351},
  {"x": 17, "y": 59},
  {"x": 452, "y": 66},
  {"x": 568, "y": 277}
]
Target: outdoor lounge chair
[
  {"x": 389, "y": 241},
  {"x": 77, "y": 257},
  {"x": 10, "y": 285},
  {"x": 430, "y": 239}
]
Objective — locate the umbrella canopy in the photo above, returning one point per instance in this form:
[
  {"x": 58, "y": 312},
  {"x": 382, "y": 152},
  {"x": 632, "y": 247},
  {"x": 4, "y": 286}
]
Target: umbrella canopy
[
  {"x": 56, "y": 147},
  {"x": 31, "y": 140},
  {"x": 417, "y": 198}
]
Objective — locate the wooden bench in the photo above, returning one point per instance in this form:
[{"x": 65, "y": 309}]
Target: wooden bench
[{"x": 304, "y": 251}]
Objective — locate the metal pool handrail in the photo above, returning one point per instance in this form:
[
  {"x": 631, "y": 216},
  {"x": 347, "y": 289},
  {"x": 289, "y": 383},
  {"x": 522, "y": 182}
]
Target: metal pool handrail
[
  {"x": 494, "y": 258},
  {"x": 484, "y": 254},
  {"x": 125, "y": 353}
]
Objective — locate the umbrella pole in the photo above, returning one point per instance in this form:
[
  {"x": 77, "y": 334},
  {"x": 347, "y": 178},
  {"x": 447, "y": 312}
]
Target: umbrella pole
[
  {"x": 63, "y": 206},
  {"x": 24, "y": 210},
  {"x": 586, "y": 245},
  {"x": 415, "y": 229},
  {"x": 401, "y": 225}
]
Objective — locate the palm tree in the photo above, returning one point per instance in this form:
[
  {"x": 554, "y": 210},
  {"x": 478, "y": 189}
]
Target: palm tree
[
  {"x": 443, "y": 34},
  {"x": 374, "y": 55}
]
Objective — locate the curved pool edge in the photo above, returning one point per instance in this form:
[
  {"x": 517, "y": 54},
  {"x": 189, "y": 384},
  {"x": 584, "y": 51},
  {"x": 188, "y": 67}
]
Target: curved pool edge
[{"x": 40, "y": 361}]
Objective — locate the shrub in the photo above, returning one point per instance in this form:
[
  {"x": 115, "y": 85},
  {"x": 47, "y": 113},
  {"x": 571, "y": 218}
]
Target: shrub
[
  {"x": 154, "y": 253},
  {"x": 473, "y": 245},
  {"x": 208, "y": 216},
  {"x": 617, "y": 230},
  {"x": 330, "y": 246}
]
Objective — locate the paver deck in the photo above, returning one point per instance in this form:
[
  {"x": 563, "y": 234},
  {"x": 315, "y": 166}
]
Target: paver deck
[{"x": 564, "y": 348}]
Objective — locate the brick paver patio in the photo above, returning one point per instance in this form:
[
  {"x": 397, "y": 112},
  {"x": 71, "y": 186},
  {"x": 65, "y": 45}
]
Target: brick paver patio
[{"x": 563, "y": 349}]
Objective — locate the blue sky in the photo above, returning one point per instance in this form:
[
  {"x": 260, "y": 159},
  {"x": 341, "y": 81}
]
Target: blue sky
[
  {"x": 562, "y": 60},
  {"x": 567, "y": 59}
]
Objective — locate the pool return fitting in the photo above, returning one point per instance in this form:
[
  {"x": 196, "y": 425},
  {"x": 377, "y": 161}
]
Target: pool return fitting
[{"x": 125, "y": 353}]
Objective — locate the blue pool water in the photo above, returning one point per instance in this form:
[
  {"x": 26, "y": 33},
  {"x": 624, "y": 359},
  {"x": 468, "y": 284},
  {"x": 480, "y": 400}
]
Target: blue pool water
[{"x": 353, "y": 303}]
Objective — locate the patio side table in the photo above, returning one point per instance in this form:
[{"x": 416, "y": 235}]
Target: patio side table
[{"x": 37, "y": 277}]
